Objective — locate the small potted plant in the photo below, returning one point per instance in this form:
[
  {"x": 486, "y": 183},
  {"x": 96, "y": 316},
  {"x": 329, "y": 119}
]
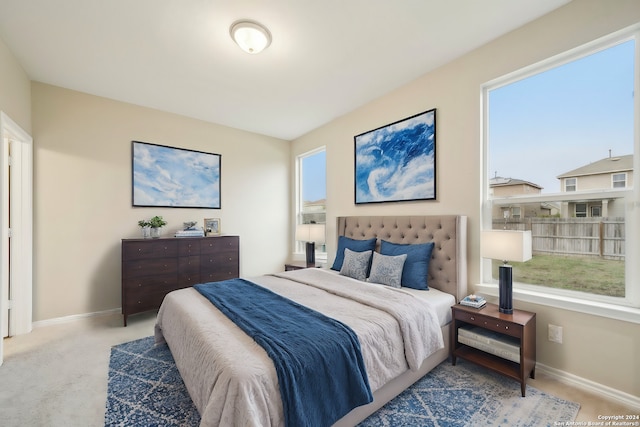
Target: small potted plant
[
  {"x": 156, "y": 223},
  {"x": 144, "y": 225}
]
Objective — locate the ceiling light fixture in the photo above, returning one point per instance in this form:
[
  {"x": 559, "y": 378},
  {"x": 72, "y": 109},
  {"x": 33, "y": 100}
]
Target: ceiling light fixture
[{"x": 251, "y": 36}]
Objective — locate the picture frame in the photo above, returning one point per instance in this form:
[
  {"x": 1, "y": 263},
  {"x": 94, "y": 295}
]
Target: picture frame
[
  {"x": 212, "y": 227},
  {"x": 171, "y": 177},
  {"x": 397, "y": 162}
]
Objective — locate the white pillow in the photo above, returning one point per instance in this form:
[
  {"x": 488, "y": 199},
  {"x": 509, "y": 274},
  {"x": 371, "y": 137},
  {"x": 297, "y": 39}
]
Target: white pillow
[
  {"x": 356, "y": 264},
  {"x": 387, "y": 269}
]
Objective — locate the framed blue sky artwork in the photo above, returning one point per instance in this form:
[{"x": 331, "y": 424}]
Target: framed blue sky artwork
[
  {"x": 397, "y": 162},
  {"x": 174, "y": 177}
]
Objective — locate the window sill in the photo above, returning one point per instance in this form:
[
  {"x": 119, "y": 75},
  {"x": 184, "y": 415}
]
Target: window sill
[{"x": 596, "y": 308}]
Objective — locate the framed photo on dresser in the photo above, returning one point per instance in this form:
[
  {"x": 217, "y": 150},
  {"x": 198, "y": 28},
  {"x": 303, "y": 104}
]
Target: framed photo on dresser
[{"x": 212, "y": 226}]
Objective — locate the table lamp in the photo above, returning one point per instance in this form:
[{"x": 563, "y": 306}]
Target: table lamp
[
  {"x": 312, "y": 234},
  {"x": 506, "y": 245}
]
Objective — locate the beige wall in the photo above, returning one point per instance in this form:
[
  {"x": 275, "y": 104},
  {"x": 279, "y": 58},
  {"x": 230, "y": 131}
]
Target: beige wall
[
  {"x": 595, "y": 348},
  {"x": 15, "y": 89},
  {"x": 82, "y": 203},
  {"x": 591, "y": 182}
]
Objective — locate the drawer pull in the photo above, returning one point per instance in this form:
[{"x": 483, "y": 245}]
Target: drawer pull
[
  {"x": 473, "y": 318},
  {"x": 139, "y": 284},
  {"x": 506, "y": 327}
]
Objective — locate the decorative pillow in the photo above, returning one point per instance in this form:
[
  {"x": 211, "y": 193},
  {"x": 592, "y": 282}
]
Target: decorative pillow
[
  {"x": 414, "y": 273},
  {"x": 387, "y": 270},
  {"x": 354, "y": 245},
  {"x": 356, "y": 264}
]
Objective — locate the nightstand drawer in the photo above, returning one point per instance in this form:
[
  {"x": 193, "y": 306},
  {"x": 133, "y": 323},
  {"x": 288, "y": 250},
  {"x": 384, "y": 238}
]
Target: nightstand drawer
[{"x": 497, "y": 325}]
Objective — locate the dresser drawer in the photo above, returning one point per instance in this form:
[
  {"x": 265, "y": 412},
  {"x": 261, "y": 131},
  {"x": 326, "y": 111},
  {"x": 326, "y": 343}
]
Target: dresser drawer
[
  {"x": 225, "y": 264},
  {"x": 189, "y": 264},
  {"x": 217, "y": 275},
  {"x": 145, "y": 249},
  {"x": 487, "y": 322},
  {"x": 137, "y": 286},
  {"x": 212, "y": 245},
  {"x": 189, "y": 246},
  {"x": 148, "y": 301},
  {"x": 149, "y": 267}
]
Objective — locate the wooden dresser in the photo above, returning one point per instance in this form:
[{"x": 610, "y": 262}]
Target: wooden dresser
[{"x": 151, "y": 268}]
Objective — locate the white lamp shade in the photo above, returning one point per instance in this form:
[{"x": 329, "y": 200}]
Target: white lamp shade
[
  {"x": 506, "y": 245},
  {"x": 310, "y": 233},
  {"x": 250, "y": 36}
]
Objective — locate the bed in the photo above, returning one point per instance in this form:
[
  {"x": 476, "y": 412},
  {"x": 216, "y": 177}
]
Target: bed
[{"x": 232, "y": 380}]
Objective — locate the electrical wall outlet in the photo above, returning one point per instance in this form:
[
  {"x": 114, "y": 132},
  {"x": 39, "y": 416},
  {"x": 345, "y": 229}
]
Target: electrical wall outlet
[{"x": 555, "y": 333}]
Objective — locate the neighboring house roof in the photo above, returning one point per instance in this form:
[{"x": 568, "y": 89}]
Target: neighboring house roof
[
  {"x": 499, "y": 181},
  {"x": 607, "y": 165}
]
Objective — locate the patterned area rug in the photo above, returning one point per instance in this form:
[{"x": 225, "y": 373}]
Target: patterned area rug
[{"x": 145, "y": 389}]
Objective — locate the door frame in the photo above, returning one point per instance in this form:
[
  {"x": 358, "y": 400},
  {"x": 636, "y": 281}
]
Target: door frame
[{"x": 21, "y": 241}]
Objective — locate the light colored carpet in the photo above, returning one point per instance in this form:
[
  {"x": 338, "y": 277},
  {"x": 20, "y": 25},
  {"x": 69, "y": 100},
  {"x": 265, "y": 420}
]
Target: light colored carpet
[{"x": 57, "y": 375}]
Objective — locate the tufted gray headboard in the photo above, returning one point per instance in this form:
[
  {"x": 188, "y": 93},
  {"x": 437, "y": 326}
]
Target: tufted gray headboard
[{"x": 448, "y": 265}]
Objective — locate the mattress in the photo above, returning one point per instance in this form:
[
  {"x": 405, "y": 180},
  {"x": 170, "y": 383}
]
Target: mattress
[{"x": 233, "y": 382}]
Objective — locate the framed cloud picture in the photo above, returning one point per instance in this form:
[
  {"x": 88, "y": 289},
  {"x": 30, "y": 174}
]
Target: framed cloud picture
[
  {"x": 174, "y": 177},
  {"x": 397, "y": 162}
]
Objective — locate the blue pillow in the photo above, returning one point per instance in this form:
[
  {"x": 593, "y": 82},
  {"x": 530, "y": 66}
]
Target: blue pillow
[
  {"x": 354, "y": 245},
  {"x": 414, "y": 273}
]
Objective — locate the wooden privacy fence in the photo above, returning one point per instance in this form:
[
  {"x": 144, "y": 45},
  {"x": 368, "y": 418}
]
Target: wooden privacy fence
[{"x": 595, "y": 237}]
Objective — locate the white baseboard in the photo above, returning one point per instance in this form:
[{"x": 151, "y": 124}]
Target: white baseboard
[
  {"x": 606, "y": 392},
  {"x": 74, "y": 317}
]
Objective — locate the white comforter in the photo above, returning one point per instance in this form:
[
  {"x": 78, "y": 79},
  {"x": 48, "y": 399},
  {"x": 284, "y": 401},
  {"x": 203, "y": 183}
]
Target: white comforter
[{"x": 231, "y": 379}]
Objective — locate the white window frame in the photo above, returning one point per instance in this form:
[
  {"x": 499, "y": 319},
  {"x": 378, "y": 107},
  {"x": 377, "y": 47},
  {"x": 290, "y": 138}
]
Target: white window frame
[
  {"x": 574, "y": 184},
  {"x": 299, "y": 247},
  {"x": 614, "y": 180},
  {"x": 627, "y": 308},
  {"x": 582, "y": 213}
]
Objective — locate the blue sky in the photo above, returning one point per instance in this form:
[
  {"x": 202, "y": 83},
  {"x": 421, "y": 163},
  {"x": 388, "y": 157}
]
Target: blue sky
[
  {"x": 314, "y": 176},
  {"x": 563, "y": 119}
]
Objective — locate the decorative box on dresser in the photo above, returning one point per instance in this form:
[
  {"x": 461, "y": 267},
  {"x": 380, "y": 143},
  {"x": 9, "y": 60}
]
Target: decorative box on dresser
[{"x": 151, "y": 268}]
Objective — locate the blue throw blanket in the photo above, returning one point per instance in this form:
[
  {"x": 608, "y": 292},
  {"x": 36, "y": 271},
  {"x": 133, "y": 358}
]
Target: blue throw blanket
[{"x": 318, "y": 360}]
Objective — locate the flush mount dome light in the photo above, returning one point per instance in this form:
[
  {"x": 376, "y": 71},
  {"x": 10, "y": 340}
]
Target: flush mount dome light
[{"x": 250, "y": 36}]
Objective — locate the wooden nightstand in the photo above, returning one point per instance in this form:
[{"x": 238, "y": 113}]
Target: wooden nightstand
[
  {"x": 520, "y": 325},
  {"x": 299, "y": 265}
]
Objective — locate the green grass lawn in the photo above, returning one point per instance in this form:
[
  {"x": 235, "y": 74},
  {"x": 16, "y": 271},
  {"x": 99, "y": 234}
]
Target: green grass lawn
[{"x": 593, "y": 275}]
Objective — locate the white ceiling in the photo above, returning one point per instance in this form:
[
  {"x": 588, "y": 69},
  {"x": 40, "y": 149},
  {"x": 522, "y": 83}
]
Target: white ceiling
[{"x": 327, "y": 57}]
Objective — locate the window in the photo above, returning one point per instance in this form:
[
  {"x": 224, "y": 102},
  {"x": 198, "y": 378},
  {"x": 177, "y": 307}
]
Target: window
[
  {"x": 619, "y": 180},
  {"x": 533, "y": 118},
  {"x": 570, "y": 184},
  {"x": 312, "y": 193},
  {"x": 515, "y": 212}
]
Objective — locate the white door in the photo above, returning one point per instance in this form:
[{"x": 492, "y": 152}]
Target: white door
[
  {"x": 16, "y": 229},
  {"x": 5, "y": 247}
]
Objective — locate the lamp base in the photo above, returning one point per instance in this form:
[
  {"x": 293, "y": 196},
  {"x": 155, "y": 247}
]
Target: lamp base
[
  {"x": 506, "y": 289},
  {"x": 311, "y": 254}
]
